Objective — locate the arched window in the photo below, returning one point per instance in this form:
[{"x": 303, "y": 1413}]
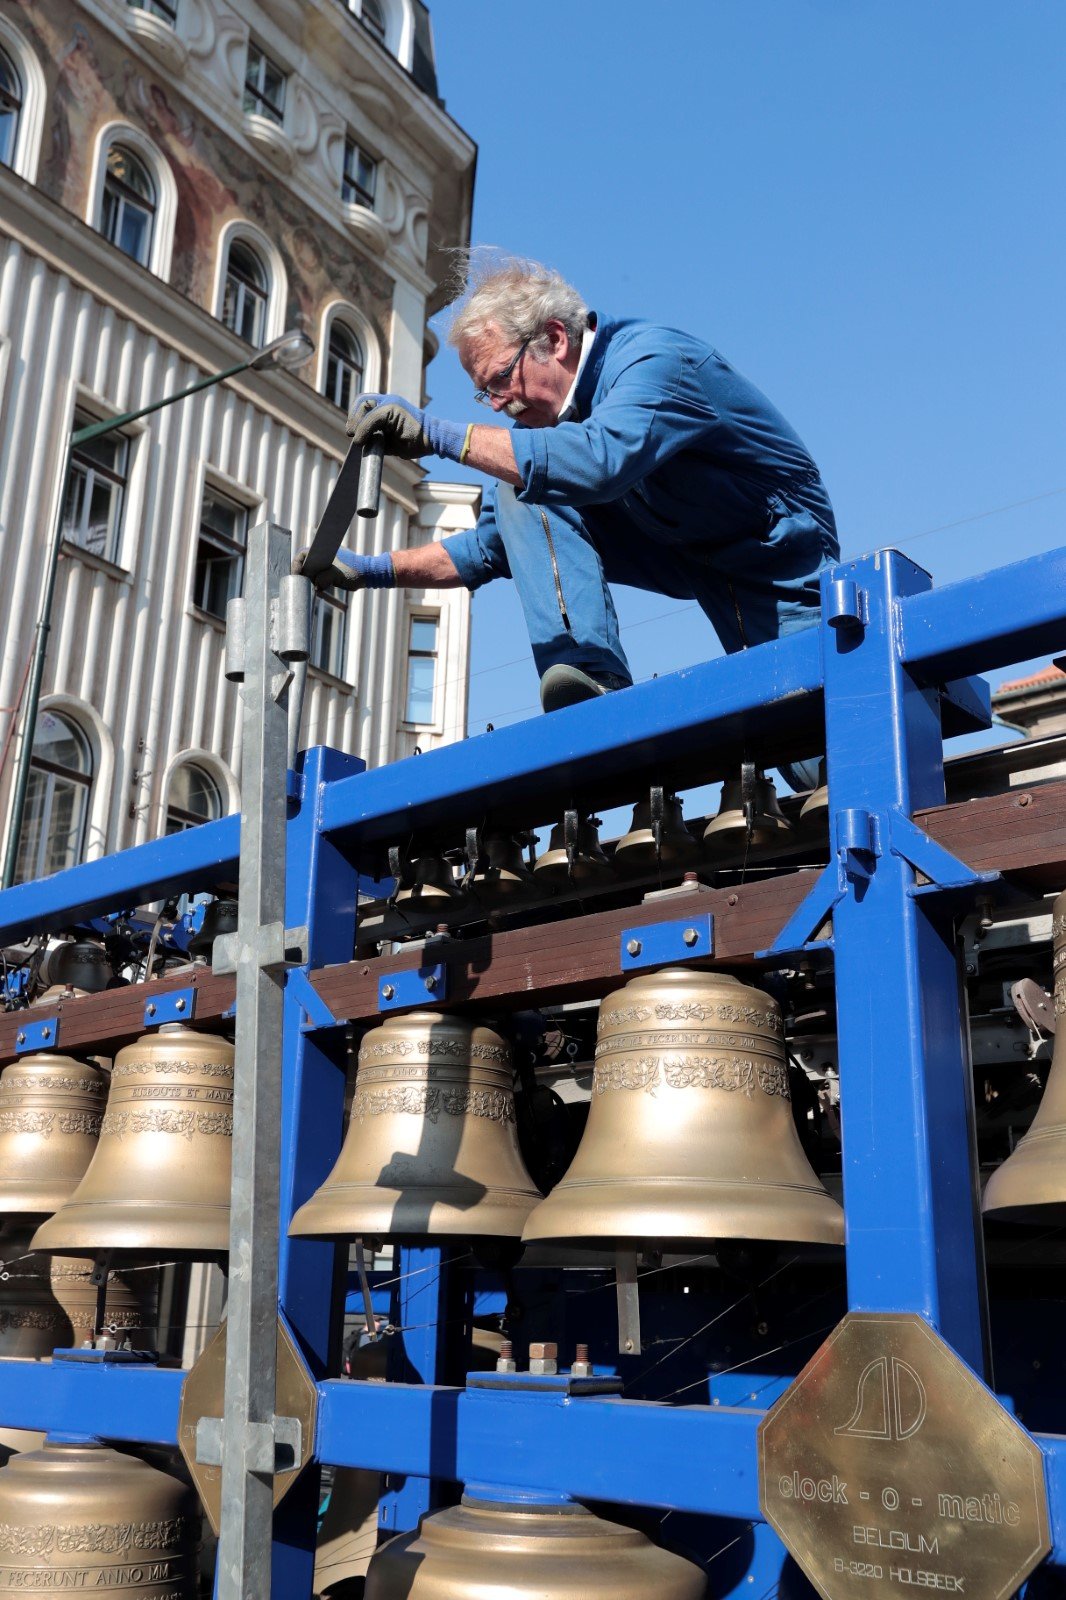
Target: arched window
[
  {"x": 57, "y": 798},
  {"x": 128, "y": 207},
  {"x": 374, "y": 18},
  {"x": 345, "y": 365},
  {"x": 165, "y": 10},
  {"x": 193, "y": 797},
  {"x": 10, "y": 108},
  {"x": 247, "y": 289}
]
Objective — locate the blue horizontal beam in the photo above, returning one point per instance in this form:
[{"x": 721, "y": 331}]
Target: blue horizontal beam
[
  {"x": 112, "y": 1402},
  {"x": 759, "y": 694},
  {"x": 978, "y": 624},
  {"x": 193, "y": 860}
]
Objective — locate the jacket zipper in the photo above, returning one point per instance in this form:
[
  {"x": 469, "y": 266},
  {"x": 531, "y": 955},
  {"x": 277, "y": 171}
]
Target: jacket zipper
[
  {"x": 740, "y": 619},
  {"x": 555, "y": 573}
]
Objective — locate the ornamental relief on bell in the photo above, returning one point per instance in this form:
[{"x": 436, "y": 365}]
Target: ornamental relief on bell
[
  {"x": 693, "y": 1072},
  {"x": 494, "y": 1104}
]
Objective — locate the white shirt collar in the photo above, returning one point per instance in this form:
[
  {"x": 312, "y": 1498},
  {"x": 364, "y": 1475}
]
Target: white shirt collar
[{"x": 587, "y": 339}]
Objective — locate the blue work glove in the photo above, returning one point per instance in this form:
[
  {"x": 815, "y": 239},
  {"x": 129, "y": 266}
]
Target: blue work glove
[
  {"x": 351, "y": 571},
  {"x": 407, "y": 430}
]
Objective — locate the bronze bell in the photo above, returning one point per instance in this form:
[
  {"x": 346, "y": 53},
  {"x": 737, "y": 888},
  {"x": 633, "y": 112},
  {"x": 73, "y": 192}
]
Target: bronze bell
[
  {"x": 657, "y": 837},
  {"x": 527, "y": 1552},
  {"x": 84, "y": 1517},
  {"x": 32, "y": 1322},
  {"x": 814, "y": 812},
  {"x": 1030, "y": 1186},
  {"x": 160, "y": 1179},
  {"x": 748, "y": 817},
  {"x": 219, "y": 918},
  {"x": 431, "y": 1148},
  {"x": 434, "y": 886},
  {"x": 51, "y": 1107},
  {"x": 573, "y": 858},
  {"x": 690, "y": 1133},
  {"x": 81, "y": 964},
  {"x": 129, "y": 1305},
  {"x": 500, "y": 872}
]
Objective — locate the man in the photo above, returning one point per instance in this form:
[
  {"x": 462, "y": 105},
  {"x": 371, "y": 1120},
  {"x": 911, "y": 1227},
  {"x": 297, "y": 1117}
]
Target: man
[{"x": 638, "y": 456}]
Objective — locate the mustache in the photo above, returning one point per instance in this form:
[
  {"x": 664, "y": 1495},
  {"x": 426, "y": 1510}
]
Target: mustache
[{"x": 515, "y": 408}]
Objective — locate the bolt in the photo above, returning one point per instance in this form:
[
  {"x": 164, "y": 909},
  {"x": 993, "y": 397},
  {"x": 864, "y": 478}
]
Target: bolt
[
  {"x": 733, "y": 900},
  {"x": 690, "y": 936},
  {"x": 628, "y": 1347},
  {"x": 150, "y": 1009},
  {"x": 20, "y": 1038},
  {"x": 387, "y": 991},
  {"x": 1025, "y": 799},
  {"x": 543, "y": 1358},
  {"x": 431, "y": 983},
  {"x": 633, "y": 947},
  {"x": 505, "y": 1359},
  {"x": 46, "y": 1033},
  {"x": 179, "y": 1005},
  {"x": 582, "y": 1367}
]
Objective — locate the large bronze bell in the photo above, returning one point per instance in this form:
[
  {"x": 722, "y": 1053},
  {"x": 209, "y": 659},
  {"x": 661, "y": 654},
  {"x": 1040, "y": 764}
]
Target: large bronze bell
[
  {"x": 527, "y": 1552},
  {"x": 690, "y": 1133},
  {"x": 84, "y": 1517},
  {"x": 573, "y": 859},
  {"x": 1030, "y": 1186},
  {"x": 51, "y": 1107},
  {"x": 159, "y": 1182},
  {"x": 748, "y": 817},
  {"x": 657, "y": 837},
  {"x": 431, "y": 1148}
]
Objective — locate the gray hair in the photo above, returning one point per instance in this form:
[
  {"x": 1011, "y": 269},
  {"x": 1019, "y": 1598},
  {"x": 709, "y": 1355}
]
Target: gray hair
[{"x": 518, "y": 296}]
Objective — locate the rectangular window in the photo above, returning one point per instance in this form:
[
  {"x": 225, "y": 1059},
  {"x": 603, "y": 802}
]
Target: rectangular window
[
  {"x": 94, "y": 492},
  {"x": 167, "y": 10},
  {"x": 264, "y": 85},
  {"x": 360, "y": 175},
  {"x": 421, "y": 669},
  {"x": 329, "y": 628},
  {"x": 220, "y": 546}
]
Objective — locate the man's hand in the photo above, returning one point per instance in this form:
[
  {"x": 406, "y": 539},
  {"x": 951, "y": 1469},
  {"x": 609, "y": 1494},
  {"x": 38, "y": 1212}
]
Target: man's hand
[
  {"x": 407, "y": 430},
  {"x": 350, "y": 571}
]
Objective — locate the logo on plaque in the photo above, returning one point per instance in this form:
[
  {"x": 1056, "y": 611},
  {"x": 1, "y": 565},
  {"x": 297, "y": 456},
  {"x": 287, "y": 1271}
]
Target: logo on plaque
[{"x": 888, "y": 1468}]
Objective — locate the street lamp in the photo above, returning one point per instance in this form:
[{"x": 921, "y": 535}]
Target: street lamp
[{"x": 288, "y": 352}]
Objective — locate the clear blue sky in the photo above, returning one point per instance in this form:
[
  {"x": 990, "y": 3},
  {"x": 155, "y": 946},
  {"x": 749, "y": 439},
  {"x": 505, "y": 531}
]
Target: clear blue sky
[{"x": 858, "y": 201}]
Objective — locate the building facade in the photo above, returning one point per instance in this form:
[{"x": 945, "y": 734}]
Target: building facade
[{"x": 180, "y": 182}]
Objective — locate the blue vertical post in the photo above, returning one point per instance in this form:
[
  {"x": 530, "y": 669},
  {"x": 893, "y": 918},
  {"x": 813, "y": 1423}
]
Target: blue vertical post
[
  {"x": 321, "y": 895},
  {"x": 913, "y": 1225},
  {"x": 418, "y": 1357}
]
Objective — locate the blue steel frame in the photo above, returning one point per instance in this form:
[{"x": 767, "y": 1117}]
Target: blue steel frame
[{"x": 888, "y": 644}]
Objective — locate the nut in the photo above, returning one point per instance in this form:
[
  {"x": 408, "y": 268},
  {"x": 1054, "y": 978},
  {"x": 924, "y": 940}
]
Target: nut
[
  {"x": 387, "y": 991},
  {"x": 179, "y": 1005},
  {"x": 431, "y": 982},
  {"x": 690, "y": 936},
  {"x": 543, "y": 1358},
  {"x": 149, "y": 1009},
  {"x": 633, "y": 947}
]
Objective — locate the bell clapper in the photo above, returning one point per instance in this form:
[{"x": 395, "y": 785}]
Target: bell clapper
[
  {"x": 364, "y": 1288},
  {"x": 98, "y": 1278},
  {"x": 628, "y": 1296}
]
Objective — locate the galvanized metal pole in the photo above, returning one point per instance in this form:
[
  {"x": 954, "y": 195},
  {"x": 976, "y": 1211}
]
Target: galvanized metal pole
[{"x": 248, "y": 1424}]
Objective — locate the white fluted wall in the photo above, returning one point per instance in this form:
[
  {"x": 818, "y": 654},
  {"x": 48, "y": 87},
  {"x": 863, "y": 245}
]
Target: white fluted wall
[{"x": 127, "y": 654}]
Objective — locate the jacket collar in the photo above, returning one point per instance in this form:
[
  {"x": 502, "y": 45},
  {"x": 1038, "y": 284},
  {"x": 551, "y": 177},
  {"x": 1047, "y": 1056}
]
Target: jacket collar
[{"x": 589, "y": 380}]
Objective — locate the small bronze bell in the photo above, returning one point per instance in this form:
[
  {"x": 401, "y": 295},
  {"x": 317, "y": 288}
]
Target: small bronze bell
[
  {"x": 527, "y": 1552},
  {"x": 431, "y": 1149},
  {"x": 220, "y": 917},
  {"x": 500, "y": 873},
  {"x": 434, "y": 886},
  {"x": 657, "y": 837},
  {"x": 159, "y": 1181},
  {"x": 32, "y": 1322},
  {"x": 573, "y": 859},
  {"x": 690, "y": 1133},
  {"x": 84, "y": 1517},
  {"x": 814, "y": 812},
  {"x": 748, "y": 817},
  {"x": 129, "y": 1306},
  {"x": 81, "y": 964},
  {"x": 51, "y": 1108},
  {"x": 1030, "y": 1186}
]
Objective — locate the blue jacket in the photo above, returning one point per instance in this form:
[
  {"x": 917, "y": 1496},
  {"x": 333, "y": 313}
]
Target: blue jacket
[{"x": 672, "y": 445}]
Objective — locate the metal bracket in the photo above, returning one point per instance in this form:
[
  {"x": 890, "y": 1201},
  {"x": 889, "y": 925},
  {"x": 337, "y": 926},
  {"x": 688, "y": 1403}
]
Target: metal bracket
[
  {"x": 311, "y": 1003},
  {"x": 278, "y": 949},
  {"x": 547, "y": 1384},
  {"x": 270, "y": 1447},
  {"x": 846, "y": 604},
  {"x": 656, "y": 944},
  {"x": 399, "y": 990},
  {"x": 41, "y": 1034},
  {"x": 175, "y": 1005}
]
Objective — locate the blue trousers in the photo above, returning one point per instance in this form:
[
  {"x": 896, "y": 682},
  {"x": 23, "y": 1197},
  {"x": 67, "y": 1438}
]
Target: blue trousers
[{"x": 562, "y": 563}]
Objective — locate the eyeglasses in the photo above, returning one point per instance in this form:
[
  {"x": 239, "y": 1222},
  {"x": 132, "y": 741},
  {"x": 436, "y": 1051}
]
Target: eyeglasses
[{"x": 497, "y": 386}]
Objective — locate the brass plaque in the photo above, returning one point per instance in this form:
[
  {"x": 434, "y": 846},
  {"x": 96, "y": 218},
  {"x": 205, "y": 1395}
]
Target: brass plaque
[
  {"x": 296, "y": 1395},
  {"x": 888, "y": 1469}
]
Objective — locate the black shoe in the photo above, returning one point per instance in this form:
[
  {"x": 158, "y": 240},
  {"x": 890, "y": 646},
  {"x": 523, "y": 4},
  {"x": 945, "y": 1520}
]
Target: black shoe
[{"x": 563, "y": 685}]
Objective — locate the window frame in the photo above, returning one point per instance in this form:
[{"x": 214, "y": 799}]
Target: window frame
[
  {"x": 189, "y": 819},
  {"x": 236, "y": 549},
  {"x": 16, "y": 104},
  {"x": 79, "y": 461},
  {"x": 330, "y": 602},
  {"x": 262, "y": 105},
  {"x": 79, "y": 780},
  {"x": 334, "y": 380},
  {"x": 123, "y": 196},
  {"x": 353, "y": 192},
  {"x": 165, "y": 10},
  {"x": 412, "y": 655},
  {"x": 246, "y": 292}
]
